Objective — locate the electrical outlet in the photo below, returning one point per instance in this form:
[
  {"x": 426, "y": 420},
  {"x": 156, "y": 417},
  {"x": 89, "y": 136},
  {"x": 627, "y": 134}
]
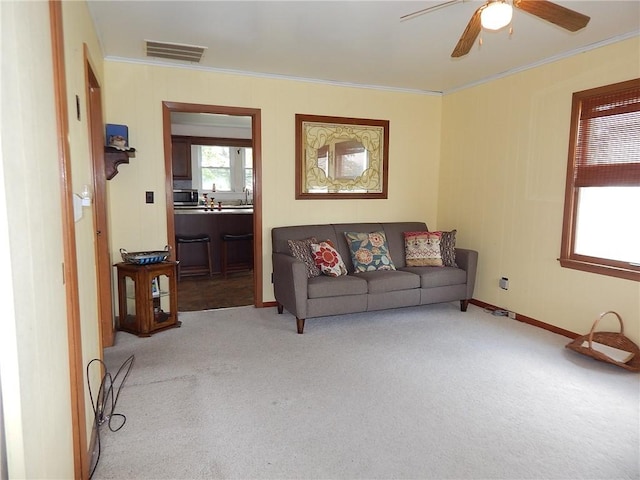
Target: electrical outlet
[
  {"x": 504, "y": 283},
  {"x": 149, "y": 197},
  {"x": 512, "y": 315}
]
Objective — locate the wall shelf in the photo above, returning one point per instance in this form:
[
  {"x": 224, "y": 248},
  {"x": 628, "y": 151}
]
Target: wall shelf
[{"x": 114, "y": 157}]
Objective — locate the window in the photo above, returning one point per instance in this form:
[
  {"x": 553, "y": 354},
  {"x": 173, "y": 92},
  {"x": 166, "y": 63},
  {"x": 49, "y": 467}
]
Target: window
[
  {"x": 215, "y": 165},
  {"x": 601, "y": 230},
  {"x": 247, "y": 162},
  {"x": 226, "y": 164}
]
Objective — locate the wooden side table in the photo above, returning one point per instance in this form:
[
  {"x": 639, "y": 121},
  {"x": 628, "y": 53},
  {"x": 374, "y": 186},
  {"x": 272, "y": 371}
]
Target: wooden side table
[{"x": 147, "y": 297}]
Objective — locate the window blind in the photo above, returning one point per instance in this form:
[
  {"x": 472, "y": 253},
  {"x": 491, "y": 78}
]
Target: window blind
[{"x": 608, "y": 140}]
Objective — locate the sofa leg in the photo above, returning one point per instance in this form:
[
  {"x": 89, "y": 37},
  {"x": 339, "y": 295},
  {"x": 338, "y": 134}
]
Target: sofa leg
[
  {"x": 463, "y": 305},
  {"x": 280, "y": 308},
  {"x": 300, "y": 325}
]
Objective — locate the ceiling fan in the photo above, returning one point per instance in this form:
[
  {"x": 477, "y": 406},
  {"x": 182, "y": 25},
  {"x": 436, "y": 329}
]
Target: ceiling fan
[{"x": 496, "y": 14}]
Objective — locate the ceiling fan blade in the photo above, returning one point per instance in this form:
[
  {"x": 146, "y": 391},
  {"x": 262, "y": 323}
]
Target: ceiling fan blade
[
  {"x": 469, "y": 35},
  {"x": 554, "y": 13},
  {"x": 409, "y": 16}
]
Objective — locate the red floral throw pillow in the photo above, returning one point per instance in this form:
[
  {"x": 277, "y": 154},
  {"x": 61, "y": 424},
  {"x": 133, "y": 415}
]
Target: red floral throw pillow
[{"x": 328, "y": 259}]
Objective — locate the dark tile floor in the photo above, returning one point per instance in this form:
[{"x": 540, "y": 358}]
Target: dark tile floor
[{"x": 204, "y": 293}]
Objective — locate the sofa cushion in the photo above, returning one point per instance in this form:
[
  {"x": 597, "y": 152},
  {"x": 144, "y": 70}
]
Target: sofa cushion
[
  {"x": 328, "y": 259},
  {"x": 301, "y": 249},
  {"x": 422, "y": 249},
  {"x": 369, "y": 251},
  {"x": 324, "y": 286},
  {"x": 382, "y": 281},
  {"x": 448, "y": 248},
  {"x": 438, "y": 276}
]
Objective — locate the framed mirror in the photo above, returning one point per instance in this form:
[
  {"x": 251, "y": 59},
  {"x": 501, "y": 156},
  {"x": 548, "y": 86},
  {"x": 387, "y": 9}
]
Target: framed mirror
[{"x": 338, "y": 158}]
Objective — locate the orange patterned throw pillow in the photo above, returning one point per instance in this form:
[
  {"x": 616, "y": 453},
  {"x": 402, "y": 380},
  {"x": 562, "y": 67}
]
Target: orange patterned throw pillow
[
  {"x": 328, "y": 259},
  {"x": 422, "y": 249}
]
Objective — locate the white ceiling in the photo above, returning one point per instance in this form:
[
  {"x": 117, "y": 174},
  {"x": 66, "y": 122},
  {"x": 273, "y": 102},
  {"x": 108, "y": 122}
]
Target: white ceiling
[{"x": 352, "y": 42}]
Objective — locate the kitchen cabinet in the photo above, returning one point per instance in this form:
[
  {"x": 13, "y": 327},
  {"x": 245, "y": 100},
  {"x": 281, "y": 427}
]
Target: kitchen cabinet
[{"x": 181, "y": 157}]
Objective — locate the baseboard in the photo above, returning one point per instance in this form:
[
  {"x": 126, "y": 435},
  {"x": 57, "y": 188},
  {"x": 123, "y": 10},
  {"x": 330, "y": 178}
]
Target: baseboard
[
  {"x": 519, "y": 317},
  {"x": 528, "y": 320}
]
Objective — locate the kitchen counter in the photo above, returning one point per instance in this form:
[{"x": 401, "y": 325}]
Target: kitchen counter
[
  {"x": 201, "y": 210},
  {"x": 236, "y": 220}
]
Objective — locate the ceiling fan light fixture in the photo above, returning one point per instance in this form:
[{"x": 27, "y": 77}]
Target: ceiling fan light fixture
[{"x": 496, "y": 15}]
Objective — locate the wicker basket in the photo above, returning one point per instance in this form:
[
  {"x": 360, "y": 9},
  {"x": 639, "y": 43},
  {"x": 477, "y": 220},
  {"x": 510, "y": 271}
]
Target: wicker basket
[
  {"x": 610, "y": 339},
  {"x": 145, "y": 258}
]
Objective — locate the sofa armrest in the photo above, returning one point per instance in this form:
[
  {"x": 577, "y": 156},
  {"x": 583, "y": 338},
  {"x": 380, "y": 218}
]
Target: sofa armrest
[
  {"x": 468, "y": 261},
  {"x": 290, "y": 283}
]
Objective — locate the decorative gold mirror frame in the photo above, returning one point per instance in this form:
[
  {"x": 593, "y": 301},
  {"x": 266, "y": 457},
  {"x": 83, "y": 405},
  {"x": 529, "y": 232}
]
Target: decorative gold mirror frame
[{"x": 338, "y": 158}]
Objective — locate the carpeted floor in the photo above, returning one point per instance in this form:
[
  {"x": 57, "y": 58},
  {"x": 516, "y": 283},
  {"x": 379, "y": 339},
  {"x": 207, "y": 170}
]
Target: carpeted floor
[
  {"x": 204, "y": 293},
  {"x": 416, "y": 393}
]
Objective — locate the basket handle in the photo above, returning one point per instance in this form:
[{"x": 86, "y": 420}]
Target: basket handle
[{"x": 595, "y": 324}]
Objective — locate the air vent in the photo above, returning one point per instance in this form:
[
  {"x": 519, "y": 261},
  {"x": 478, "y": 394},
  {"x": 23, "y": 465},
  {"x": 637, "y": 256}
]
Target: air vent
[{"x": 175, "y": 51}]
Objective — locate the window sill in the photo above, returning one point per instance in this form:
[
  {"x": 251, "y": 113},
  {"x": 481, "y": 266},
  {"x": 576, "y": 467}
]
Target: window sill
[{"x": 611, "y": 271}]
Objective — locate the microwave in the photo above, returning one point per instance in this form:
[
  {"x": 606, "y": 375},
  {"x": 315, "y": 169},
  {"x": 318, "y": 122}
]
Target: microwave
[{"x": 185, "y": 197}]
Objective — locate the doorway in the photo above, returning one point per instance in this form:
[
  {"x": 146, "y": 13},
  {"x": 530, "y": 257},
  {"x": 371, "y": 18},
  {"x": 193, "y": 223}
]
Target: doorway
[
  {"x": 100, "y": 222},
  {"x": 237, "y": 281}
]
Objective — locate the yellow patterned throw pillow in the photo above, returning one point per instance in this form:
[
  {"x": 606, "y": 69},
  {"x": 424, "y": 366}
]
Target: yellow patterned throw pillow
[
  {"x": 369, "y": 251},
  {"x": 422, "y": 249}
]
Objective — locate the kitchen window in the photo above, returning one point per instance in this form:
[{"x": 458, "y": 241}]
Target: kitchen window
[
  {"x": 224, "y": 168},
  {"x": 601, "y": 229}
]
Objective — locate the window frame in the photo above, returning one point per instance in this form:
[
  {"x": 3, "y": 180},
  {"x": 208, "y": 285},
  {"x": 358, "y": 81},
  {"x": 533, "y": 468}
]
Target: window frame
[
  {"x": 224, "y": 142},
  {"x": 568, "y": 257},
  {"x": 202, "y": 168}
]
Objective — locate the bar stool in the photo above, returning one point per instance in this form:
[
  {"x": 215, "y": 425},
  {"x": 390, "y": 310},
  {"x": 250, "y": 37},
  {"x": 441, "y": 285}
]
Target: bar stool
[
  {"x": 236, "y": 266},
  {"x": 202, "y": 269}
]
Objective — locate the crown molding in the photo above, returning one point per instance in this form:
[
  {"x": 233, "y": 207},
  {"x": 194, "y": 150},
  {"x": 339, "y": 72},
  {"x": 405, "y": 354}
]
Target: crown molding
[
  {"x": 225, "y": 71},
  {"x": 273, "y": 76},
  {"x": 545, "y": 61}
]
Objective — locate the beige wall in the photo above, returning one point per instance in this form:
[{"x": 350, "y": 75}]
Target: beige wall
[
  {"x": 502, "y": 179},
  {"x": 34, "y": 345},
  {"x": 502, "y": 190},
  {"x": 134, "y": 95},
  {"x": 78, "y": 31},
  {"x": 33, "y": 328}
]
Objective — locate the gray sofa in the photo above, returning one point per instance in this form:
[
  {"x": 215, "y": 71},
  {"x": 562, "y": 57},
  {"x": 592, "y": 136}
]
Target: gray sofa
[{"x": 360, "y": 292}]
